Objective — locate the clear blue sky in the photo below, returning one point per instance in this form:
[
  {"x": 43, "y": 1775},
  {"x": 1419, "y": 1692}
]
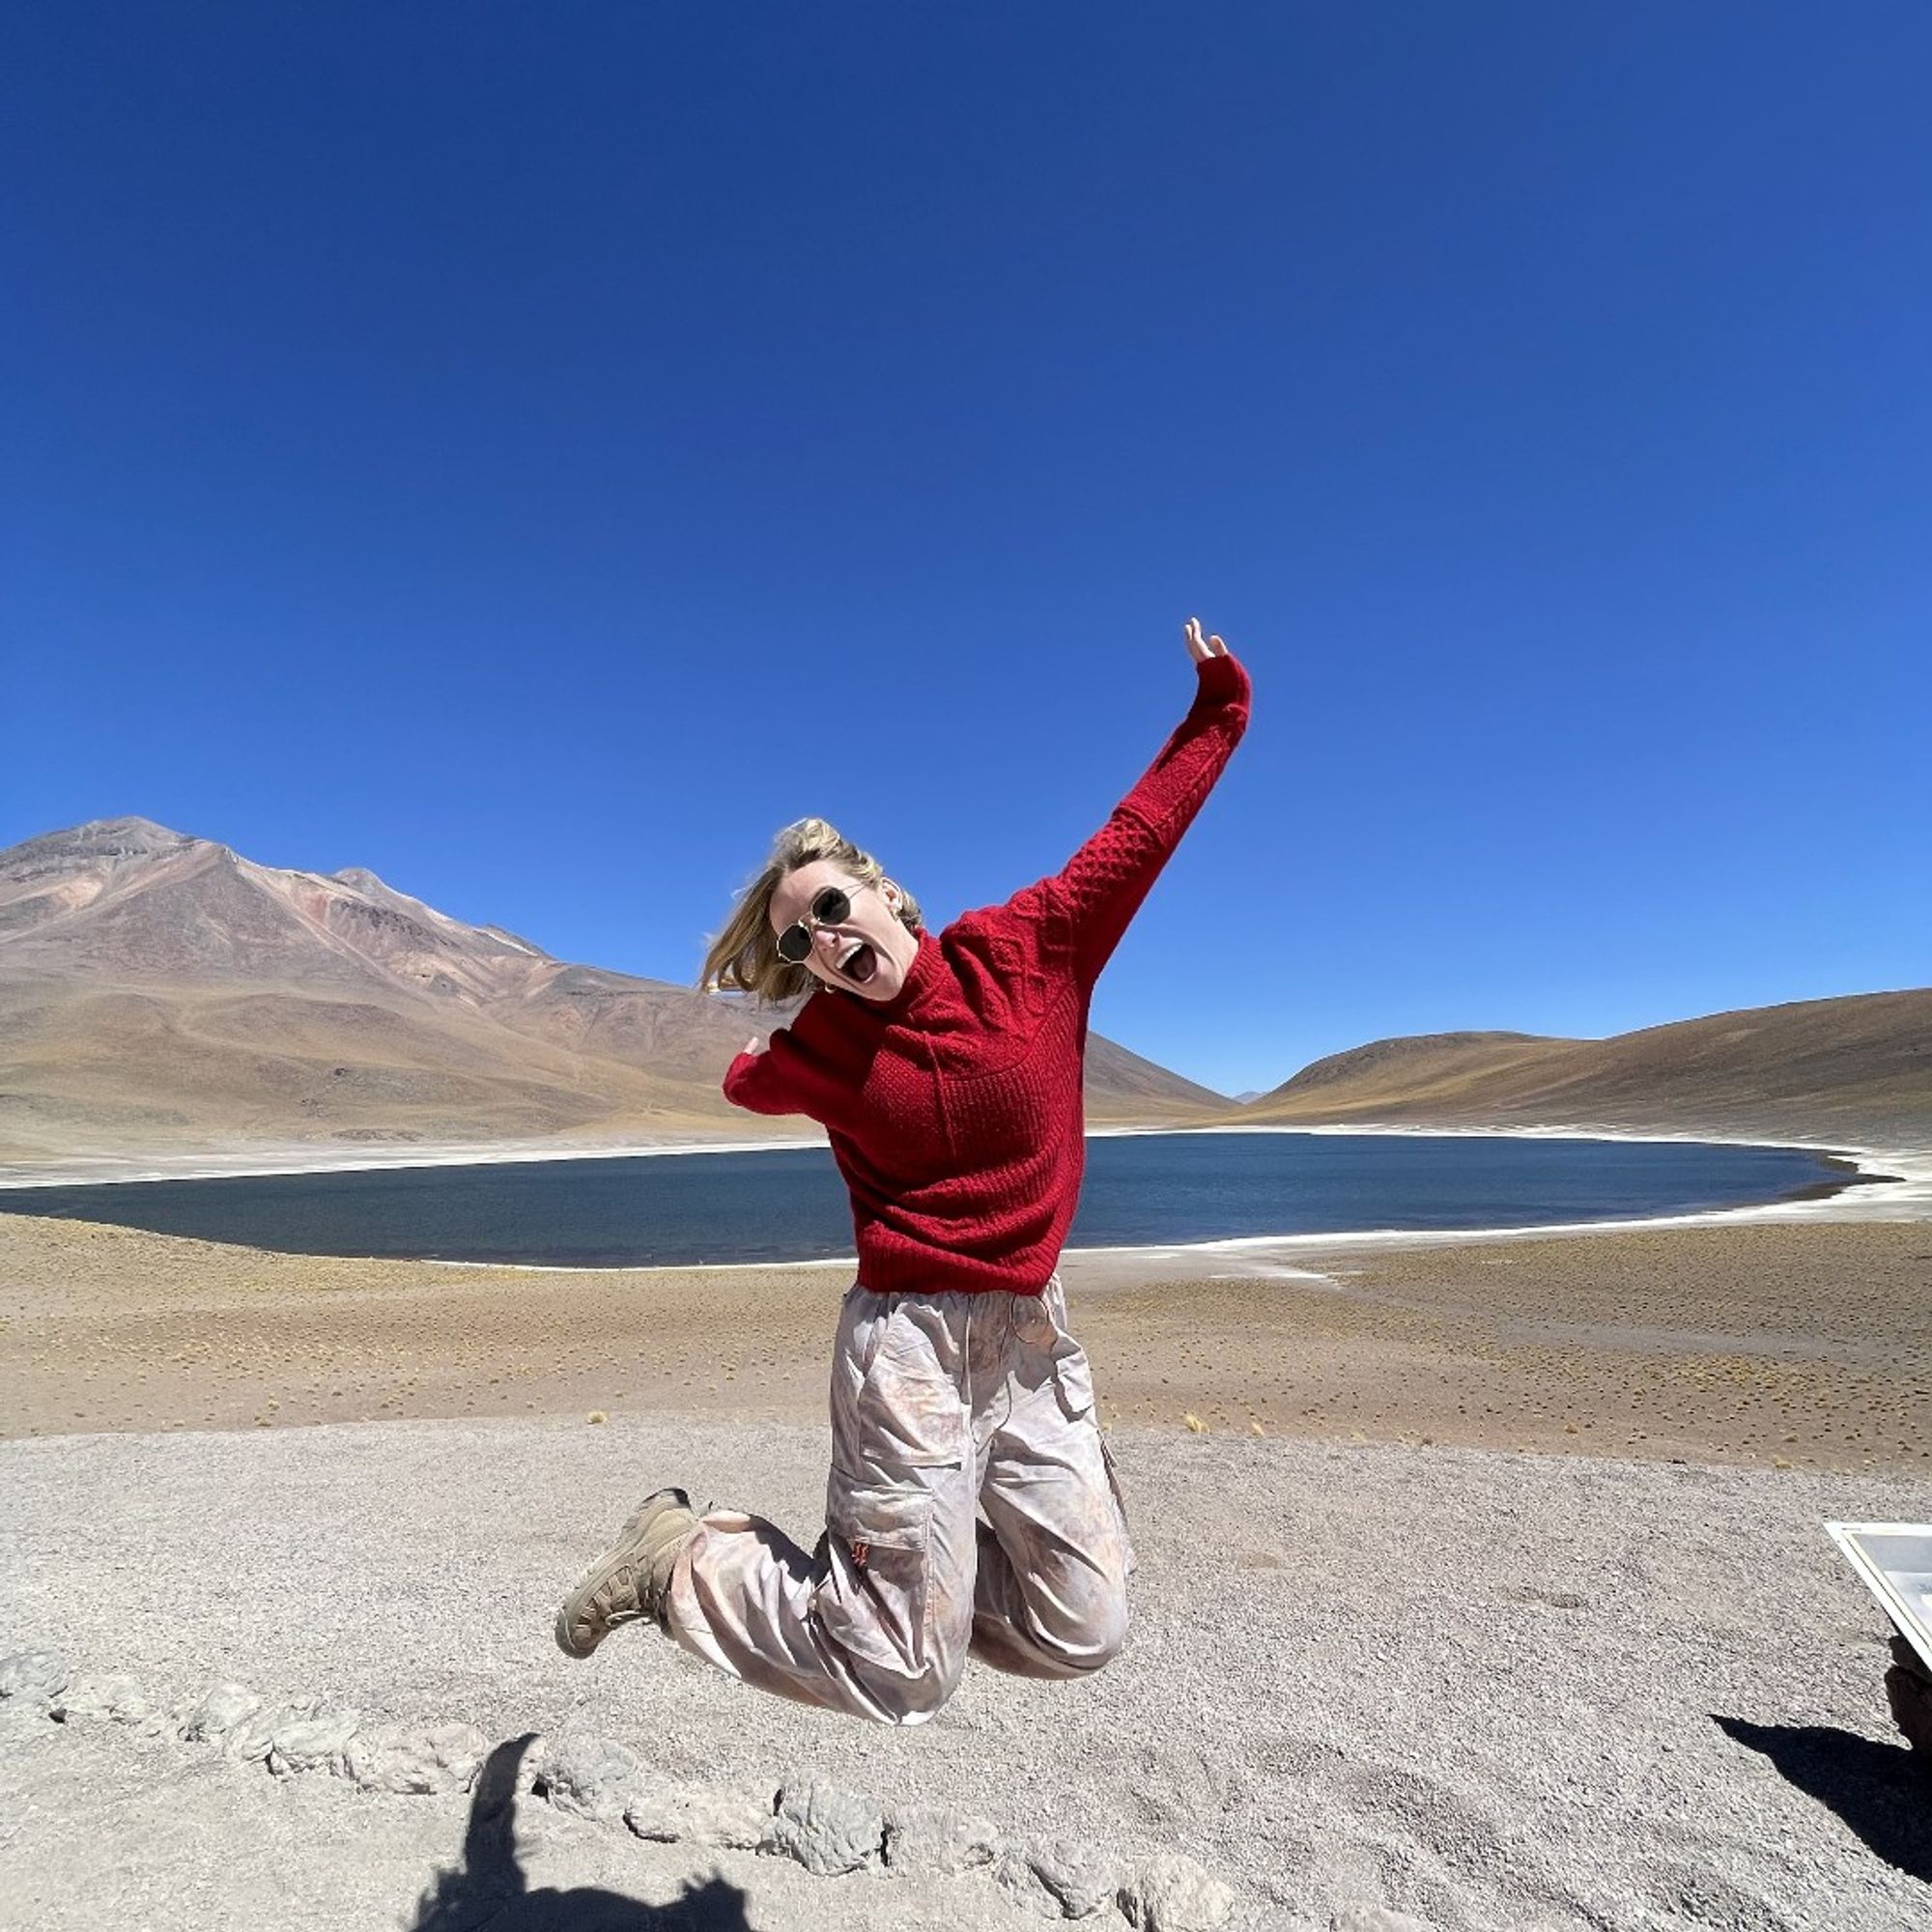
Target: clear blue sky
[{"x": 535, "y": 452}]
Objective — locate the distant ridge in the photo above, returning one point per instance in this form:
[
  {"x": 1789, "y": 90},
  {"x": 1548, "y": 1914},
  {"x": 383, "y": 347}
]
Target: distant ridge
[
  {"x": 1858, "y": 1066},
  {"x": 161, "y": 991}
]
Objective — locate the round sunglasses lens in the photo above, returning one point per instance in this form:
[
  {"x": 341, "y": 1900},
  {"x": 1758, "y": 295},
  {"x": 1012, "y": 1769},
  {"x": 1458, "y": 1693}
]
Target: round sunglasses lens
[{"x": 827, "y": 909}]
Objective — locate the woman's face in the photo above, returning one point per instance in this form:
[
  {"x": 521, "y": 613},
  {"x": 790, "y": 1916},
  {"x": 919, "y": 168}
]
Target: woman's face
[{"x": 880, "y": 971}]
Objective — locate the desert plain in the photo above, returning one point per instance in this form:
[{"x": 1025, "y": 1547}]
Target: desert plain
[
  {"x": 1482, "y": 1582},
  {"x": 1801, "y": 1342}
]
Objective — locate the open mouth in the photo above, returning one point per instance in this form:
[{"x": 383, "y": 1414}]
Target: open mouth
[{"x": 860, "y": 964}]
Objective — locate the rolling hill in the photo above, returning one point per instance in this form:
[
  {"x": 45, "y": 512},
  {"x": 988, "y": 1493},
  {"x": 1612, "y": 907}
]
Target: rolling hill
[{"x": 1857, "y": 1068}]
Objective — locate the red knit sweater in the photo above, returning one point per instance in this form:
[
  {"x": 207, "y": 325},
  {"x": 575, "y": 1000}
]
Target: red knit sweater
[{"x": 954, "y": 1108}]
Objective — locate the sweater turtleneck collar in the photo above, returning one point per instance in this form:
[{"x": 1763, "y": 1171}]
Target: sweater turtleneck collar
[{"x": 921, "y": 972}]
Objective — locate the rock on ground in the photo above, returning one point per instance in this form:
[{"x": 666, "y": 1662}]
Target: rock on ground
[
  {"x": 591, "y": 1776},
  {"x": 32, "y": 1673},
  {"x": 827, "y": 1828},
  {"x": 1173, "y": 1894},
  {"x": 312, "y": 1744},
  {"x": 934, "y": 1839},
  {"x": 221, "y": 1711},
  {"x": 736, "y": 1817},
  {"x": 423, "y": 1759}
]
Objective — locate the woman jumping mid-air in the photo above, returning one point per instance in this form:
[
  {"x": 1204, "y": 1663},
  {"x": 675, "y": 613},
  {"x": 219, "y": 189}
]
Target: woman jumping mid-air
[{"x": 972, "y": 1504}]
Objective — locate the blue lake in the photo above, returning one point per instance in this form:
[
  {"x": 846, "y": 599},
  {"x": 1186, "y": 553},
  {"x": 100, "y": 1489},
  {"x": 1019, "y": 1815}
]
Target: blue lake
[{"x": 788, "y": 1204}]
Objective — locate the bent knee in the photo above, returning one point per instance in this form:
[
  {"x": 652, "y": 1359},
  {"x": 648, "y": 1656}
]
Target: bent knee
[
  {"x": 1091, "y": 1638},
  {"x": 895, "y": 1699},
  {"x": 1102, "y": 1641}
]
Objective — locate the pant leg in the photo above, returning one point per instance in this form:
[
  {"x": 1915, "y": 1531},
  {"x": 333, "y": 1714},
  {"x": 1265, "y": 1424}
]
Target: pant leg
[
  {"x": 1050, "y": 1597},
  {"x": 877, "y": 1619}
]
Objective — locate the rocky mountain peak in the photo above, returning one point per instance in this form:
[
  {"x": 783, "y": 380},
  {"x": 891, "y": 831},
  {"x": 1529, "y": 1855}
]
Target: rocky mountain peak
[{"x": 100, "y": 842}]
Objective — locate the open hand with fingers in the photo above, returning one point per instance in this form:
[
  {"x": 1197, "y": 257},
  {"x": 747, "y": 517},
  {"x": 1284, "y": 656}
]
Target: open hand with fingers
[{"x": 1201, "y": 648}]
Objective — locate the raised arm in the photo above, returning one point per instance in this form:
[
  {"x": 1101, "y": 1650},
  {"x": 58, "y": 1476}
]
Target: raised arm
[{"x": 1103, "y": 886}]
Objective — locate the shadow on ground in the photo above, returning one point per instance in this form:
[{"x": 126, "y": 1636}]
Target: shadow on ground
[
  {"x": 489, "y": 1889},
  {"x": 1879, "y": 1790}
]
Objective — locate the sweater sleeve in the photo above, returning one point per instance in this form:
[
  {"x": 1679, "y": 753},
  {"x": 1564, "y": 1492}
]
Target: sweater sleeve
[
  {"x": 766, "y": 1083},
  {"x": 1103, "y": 886}
]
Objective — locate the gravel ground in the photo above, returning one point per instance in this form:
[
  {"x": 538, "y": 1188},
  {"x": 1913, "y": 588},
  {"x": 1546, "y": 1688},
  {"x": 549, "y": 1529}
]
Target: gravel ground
[{"x": 1485, "y": 1688}]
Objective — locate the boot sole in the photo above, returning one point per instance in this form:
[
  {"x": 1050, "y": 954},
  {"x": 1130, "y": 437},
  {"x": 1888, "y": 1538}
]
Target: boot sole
[{"x": 624, "y": 1551}]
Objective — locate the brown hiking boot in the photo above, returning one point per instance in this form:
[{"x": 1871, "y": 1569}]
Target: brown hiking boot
[{"x": 631, "y": 1580}]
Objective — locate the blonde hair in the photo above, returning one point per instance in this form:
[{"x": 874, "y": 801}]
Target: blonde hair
[{"x": 744, "y": 958}]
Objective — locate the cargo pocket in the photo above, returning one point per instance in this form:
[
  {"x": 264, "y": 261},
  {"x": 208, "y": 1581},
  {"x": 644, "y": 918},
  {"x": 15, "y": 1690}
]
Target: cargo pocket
[
  {"x": 894, "y": 1403},
  {"x": 1073, "y": 1383},
  {"x": 859, "y": 1336},
  {"x": 874, "y": 1600},
  {"x": 1065, "y": 1359},
  {"x": 1073, "y": 1379}
]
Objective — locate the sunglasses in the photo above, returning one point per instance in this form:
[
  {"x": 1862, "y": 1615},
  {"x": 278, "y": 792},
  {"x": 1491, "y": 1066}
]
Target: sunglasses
[{"x": 831, "y": 906}]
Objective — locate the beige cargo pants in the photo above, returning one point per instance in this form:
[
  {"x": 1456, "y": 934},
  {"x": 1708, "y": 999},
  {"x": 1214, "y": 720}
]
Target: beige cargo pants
[{"x": 943, "y": 1405}]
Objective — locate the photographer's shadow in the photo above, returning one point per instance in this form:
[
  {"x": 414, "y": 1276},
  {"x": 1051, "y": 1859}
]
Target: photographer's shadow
[{"x": 489, "y": 1889}]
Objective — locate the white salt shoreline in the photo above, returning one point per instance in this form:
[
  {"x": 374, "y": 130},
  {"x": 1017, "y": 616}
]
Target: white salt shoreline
[
  {"x": 1905, "y": 1195},
  {"x": 111, "y": 1169}
]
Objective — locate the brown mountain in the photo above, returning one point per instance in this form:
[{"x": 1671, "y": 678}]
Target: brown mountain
[
  {"x": 159, "y": 991},
  {"x": 1856, "y": 1068}
]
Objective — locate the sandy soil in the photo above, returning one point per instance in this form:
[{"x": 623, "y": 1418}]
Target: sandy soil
[{"x": 1803, "y": 1343}]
